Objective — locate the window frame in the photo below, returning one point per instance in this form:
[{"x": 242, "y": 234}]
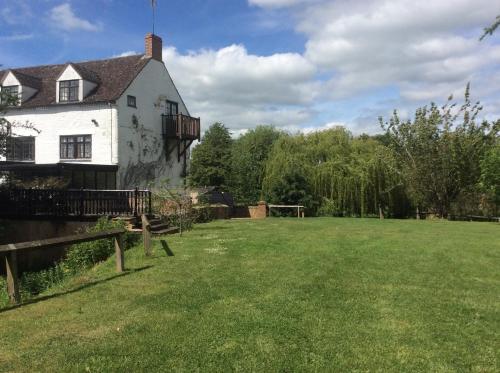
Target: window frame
[
  {"x": 80, "y": 149},
  {"x": 7, "y": 89},
  {"x": 129, "y": 103},
  {"x": 23, "y": 144},
  {"x": 168, "y": 107},
  {"x": 69, "y": 90}
]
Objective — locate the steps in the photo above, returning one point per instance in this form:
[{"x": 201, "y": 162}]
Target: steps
[{"x": 158, "y": 227}]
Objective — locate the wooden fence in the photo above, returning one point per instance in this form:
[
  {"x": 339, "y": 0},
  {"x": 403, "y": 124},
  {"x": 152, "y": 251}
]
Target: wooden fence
[
  {"x": 71, "y": 202},
  {"x": 11, "y": 251}
]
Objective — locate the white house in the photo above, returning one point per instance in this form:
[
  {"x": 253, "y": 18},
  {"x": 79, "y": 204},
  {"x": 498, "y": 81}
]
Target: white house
[{"x": 108, "y": 124}]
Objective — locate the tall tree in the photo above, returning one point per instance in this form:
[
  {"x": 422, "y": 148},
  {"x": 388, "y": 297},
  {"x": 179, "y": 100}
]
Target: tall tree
[
  {"x": 332, "y": 172},
  {"x": 490, "y": 173},
  {"x": 438, "y": 153},
  {"x": 249, "y": 155},
  {"x": 211, "y": 159}
]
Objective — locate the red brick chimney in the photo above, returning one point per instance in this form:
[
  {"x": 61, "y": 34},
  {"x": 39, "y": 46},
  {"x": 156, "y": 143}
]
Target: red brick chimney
[{"x": 153, "y": 46}]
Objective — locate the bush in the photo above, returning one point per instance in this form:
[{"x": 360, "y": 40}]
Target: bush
[
  {"x": 78, "y": 258},
  {"x": 86, "y": 254}
]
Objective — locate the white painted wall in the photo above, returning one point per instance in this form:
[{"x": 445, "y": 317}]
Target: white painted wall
[
  {"x": 56, "y": 121},
  {"x": 151, "y": 88},
  {"x": 10, "y": 79},
  {"x": 26, "y": 93}
]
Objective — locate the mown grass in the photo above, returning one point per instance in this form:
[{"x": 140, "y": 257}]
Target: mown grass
[{"x": 277, "y": 295}]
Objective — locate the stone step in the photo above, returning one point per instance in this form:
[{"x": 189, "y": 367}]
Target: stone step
[{"x": 158, "y": 226}]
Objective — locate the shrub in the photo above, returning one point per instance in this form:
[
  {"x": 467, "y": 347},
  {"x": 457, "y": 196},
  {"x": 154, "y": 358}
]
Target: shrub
[
  {"x": 78, "y": 258},
  {"x": 86, "y": 254}
]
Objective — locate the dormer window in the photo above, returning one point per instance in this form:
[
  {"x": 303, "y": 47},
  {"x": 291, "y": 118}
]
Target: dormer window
[
  {"x": 10, "y": 94},
  {"x": 68, "y": 90}
]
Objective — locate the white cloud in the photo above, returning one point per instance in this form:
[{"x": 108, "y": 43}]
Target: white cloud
[
  {"x": 243, "y": 90},
  {"x": 125, "y": 54},
  {"x": 405, "y": 43},
  {"x": 16, "y": 13},
  {"x": 311, "y": 129},
  {"x": 417, "y": 51},
  {"x": 63, "y": 17},
  {"x": 276, "y": 3},
  {"x": 16, "y": 37}
]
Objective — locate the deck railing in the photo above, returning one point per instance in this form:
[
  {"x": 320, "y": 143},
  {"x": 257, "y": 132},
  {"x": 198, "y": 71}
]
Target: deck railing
[
  {"x": 74, "y": 202},
  {"x": 181, "y": 127}
]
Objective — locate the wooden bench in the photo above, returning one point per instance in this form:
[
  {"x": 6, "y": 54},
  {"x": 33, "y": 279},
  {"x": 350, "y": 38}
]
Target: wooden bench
[
  {"x": 300, "y": 209},
  {"x": 11, "y": 251}
]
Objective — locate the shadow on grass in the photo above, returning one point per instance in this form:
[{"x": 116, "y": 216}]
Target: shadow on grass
[
  {"x": 82, "y": 287},
  {"x": 167, "y": 249},
  {"x": 200, "y": 227}
]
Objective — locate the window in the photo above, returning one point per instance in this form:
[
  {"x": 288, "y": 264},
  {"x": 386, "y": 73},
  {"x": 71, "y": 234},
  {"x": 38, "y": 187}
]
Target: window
[
  {"x": 68, "y": 90},
  {"x": 21, "y": 148},
  {"x": 131, "y": 101},
  {"x": 93, "y": 179},
  {"x": 172, "y": 108},
  {"x": 76, "y": 147},
  {"x": 10, "y": 94}
]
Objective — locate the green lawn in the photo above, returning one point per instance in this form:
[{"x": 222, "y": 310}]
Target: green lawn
[{"x": 277, "y": 295}]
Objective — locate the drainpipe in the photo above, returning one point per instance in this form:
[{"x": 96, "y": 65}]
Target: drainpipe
[{"x": 111, "y": 132}]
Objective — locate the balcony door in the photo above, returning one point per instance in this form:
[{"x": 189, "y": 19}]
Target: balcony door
[{"x": 171, "y": 108}]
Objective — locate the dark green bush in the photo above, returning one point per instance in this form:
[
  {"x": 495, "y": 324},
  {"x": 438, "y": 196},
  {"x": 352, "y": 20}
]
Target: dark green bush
[
  {"x": 79, "y": 257},
  {"x": 86, "y": 254}
]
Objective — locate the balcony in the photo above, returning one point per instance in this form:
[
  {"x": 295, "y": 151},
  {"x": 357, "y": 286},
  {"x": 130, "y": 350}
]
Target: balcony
[{"x": 180, "y": 127}]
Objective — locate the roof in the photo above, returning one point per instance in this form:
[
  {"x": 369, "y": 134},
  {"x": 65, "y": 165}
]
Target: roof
[
  {"x": 113, "y": 76},
  {"x": 25, "y": 80}
]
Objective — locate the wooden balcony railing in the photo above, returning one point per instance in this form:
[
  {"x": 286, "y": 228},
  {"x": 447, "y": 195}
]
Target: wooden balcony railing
[
  {"x": 71, "y": 202},
  {"x": 181, "y": 127}
]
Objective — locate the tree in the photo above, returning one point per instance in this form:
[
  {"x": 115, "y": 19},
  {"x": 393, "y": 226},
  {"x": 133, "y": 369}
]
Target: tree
[
  {"x": 7, "y": 128},
  {"x": 342, "y": 175},
  {"x": 211, "y": 159},
  {"x": 490, "y": 173},
  {"x": 438, "y": 153},
  {"x": 249, "y": 155},
  {"x": 491, "y": 29}
]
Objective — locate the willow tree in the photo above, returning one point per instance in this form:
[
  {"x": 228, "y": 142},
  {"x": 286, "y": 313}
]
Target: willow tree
[{"x": 346, "y": 176}]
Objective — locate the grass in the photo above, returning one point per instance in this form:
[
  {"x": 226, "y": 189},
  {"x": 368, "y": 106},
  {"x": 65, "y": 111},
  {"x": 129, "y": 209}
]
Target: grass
[{"x": 277, "y": 295}]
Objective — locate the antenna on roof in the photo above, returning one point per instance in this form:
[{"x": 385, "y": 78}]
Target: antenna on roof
[{"x": 153, "y": 5}]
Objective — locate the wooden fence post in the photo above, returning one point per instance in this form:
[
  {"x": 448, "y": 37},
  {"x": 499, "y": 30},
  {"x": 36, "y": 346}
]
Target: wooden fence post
[
  {"x": 12, "y": 279},
  {"x": 136, "y": 190},
  {"x": 150, "y": 210},
  {"x": 119, "y": 251},
  {"x": 146, "y": 235}
]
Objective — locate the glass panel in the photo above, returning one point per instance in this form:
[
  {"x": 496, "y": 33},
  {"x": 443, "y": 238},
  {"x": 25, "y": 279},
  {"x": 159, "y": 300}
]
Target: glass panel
[
  {"x": 68, "y": 90},
  {"x": 21, "y": 148},
  {"x": 77, "y": 179},
  {"x": 101, "y": 180},
  {"x": 111, "y": 180},
  {"x": 89, "y": 179},
  {"x": 79, "y": 150}
]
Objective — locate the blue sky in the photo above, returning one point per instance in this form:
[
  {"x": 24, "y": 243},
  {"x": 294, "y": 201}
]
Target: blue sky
[{"x": 297, "y": 64}]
